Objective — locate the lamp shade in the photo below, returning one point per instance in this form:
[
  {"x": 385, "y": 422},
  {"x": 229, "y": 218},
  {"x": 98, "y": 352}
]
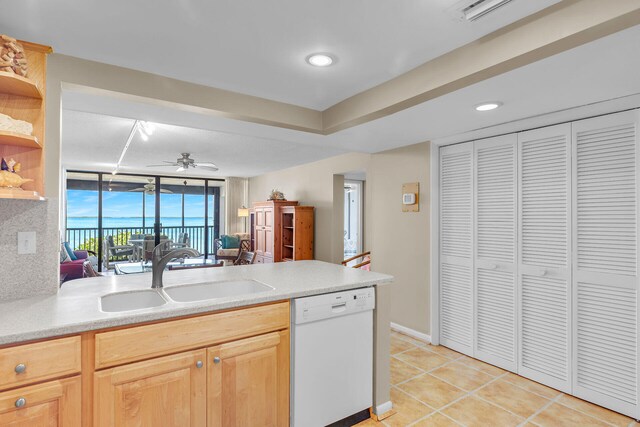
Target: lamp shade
[{"x": 243, "y": 212}]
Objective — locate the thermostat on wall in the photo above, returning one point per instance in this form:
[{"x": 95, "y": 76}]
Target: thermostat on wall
[{"x": 409, "y": 199}]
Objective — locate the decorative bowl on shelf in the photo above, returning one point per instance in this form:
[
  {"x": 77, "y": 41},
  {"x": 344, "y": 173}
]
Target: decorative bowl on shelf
[{"x": 276, "y": 195}]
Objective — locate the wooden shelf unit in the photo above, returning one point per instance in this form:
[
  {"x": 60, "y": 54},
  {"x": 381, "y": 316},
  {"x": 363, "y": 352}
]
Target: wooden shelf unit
[
  {"x": 13, "y": 84},
  {"x": 18, "y": 139},
  {"x": 297, "y": 233},
  {"x": 24, "y": 99}
]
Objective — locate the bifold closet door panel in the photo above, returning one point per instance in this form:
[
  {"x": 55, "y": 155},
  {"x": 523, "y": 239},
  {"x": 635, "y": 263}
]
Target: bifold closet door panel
[
  {"x": 456, "y": 247},
  {"x": 495, "y": 239},
  {"x": 605, "y": 261},
  {"x": 544, "y": 169}
]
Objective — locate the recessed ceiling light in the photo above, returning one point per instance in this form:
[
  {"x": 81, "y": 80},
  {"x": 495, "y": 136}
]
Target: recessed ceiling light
[
  {"x": 320, "y": 60},
  {"x": 487, "y": 106}
]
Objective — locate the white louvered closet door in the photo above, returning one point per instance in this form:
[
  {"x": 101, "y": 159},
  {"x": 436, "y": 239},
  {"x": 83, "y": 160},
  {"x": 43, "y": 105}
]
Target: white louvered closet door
[
  {"x": 456, "y": 247},
  {"x": 605, "y": 267},
  {"x": 544, "y": 255},
  {"x": 495, "y": 236}
]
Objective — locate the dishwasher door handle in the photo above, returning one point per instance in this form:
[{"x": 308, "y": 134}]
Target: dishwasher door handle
[{"x": 339, "y": 308}]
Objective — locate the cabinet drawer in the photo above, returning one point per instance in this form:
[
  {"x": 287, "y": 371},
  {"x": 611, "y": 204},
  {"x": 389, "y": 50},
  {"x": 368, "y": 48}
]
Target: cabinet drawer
[
  {"x": 143, "y": 342},
  {"x": 41, "y": 361},
  {"x": 54, "y": 403}
]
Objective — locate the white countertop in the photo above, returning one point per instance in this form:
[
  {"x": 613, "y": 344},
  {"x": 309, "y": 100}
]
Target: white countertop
[{"x": 76, "y": 308}]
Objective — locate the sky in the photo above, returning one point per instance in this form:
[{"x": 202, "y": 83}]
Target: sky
[{"x": 82, "y": 203}]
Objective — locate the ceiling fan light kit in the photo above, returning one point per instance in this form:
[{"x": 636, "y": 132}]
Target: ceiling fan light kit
[{"x": 185, "y": 162}]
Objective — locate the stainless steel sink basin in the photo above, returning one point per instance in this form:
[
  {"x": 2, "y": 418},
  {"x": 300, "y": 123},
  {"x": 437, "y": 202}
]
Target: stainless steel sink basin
[
  {"x": 213, "y": 290},
  {"x": 134, "y": 300}
]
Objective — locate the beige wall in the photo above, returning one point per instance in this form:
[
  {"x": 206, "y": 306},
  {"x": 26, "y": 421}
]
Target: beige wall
[
  {"x": 400, "y": 245},
  {"x": 314, "y": 184},
  {"x": 399, "y": 241}
]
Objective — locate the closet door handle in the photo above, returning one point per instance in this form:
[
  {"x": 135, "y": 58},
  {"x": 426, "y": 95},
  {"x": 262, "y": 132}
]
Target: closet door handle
[
  {"x": 543, "y": 271},
  {"x": 493, "y": 266}
]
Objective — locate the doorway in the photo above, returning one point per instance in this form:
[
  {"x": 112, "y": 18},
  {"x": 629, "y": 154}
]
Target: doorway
[{"x": 353, "y": 217}]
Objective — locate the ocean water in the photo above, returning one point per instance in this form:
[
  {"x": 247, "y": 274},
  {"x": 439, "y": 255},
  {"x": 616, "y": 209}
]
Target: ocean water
[
  {"x": 81, "y": 229},
  {"x": 123, "y": 222}
]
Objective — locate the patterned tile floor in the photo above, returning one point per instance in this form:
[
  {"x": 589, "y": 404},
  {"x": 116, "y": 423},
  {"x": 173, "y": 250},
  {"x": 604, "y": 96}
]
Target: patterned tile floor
[{"x": 437, "y": 387}]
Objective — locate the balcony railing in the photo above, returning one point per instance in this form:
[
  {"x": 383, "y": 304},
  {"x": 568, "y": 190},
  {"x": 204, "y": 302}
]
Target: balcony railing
[{"x": 89, "y": 238}]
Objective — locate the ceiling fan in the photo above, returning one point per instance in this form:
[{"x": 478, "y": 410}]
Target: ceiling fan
[
  {"x": 150, "y": 188},
  {"x": 185, "y": 162}
]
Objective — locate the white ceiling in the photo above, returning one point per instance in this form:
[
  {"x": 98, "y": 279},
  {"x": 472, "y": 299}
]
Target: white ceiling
[
  {"x": 95, "y": 142},
  {"x": 258, "y": 47},
  {"x": 593, "y": 79}
]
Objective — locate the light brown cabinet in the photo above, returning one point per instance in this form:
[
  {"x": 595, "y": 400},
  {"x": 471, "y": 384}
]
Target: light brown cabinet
[
  {"x": 275, "y": 240},
  {"x": 228, "y": 368},
  {"x": 296, "y": 233},
  {"x": 168, "y": 391},
  {"x": 249, "y": 382},
  {"x": 55, "y": 403},
  {"x": 232, "y": 370},
  {"x": 23, "y": 98}
]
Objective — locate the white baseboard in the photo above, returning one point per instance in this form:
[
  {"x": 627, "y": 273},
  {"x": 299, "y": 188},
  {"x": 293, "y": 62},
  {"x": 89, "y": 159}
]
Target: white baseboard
[
  {"x": 411, "y": 332},
  {"x": 383, "y": 408}
]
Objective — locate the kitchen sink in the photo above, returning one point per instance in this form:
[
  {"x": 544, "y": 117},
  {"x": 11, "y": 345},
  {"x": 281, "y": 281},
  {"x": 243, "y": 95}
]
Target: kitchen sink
[
  {"x": 213, "y": 290},
  {"x": 134, "y": 300}
]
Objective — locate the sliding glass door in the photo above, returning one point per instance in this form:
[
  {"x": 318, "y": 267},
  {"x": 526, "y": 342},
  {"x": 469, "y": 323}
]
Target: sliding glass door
[{"x": 121, "y": 218}]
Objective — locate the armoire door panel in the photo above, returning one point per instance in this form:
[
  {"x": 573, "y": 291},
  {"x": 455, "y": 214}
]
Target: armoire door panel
[
  {"x": 545, "y": 256},
  {"x": 605, "y": 277},
  {"x": 456, "y": 246},
  {"x": 495, "y": 263}
]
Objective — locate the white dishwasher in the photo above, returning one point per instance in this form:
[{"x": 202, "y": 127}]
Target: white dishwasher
[{"x": 331, "y": 356}]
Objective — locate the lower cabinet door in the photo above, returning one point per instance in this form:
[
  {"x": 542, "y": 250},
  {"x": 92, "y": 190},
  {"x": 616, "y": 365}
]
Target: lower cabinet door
[
  {"x": 168, "y": 391},
  {"x": 249, "y": 382},
  {"x": 51, "y": 404}
]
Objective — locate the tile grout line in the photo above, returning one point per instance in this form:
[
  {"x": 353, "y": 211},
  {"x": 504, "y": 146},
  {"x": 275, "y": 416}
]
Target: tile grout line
[
  {"x": 465, "y": 395},
  {"x": 505, "y": 374},
  {"x": 539, "y": 411},
  {"x": 425, "y": 347}
]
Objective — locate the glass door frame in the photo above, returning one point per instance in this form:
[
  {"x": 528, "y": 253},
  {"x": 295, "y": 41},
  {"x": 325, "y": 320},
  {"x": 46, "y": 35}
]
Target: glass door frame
[
  {"x": 360, "y": 186},
  {"x": 157, "y": 226}
]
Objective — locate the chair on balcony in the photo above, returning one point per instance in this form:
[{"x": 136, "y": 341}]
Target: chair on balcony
[
  {"x": 136, "y": 240},
  {"x": 245, "y": 258},
  {"x": 182, "y": 241},
  {"x": 111, "y": 250},
  {"x": 150, "y": 244},
  {"x": 224, "y": 253}
]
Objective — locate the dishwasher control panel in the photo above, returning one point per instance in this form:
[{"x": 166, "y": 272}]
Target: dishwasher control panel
[{"x": 325, "y": 306}]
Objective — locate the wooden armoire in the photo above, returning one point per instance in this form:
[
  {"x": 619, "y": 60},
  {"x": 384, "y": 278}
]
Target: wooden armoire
[{"x": 282, "y": 231}]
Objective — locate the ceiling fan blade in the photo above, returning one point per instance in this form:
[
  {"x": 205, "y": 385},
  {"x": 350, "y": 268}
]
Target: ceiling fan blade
[
  {"x": 180, "y": 169},
  {"x": 138, "y": 189},
  {"x": 161, "y": 166},
  {"x": 210, "y": 168},
  {"x": 162, "y": 190}
]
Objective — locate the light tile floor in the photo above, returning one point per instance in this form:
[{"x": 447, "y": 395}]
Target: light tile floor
[{"x": 437, "y": 387}]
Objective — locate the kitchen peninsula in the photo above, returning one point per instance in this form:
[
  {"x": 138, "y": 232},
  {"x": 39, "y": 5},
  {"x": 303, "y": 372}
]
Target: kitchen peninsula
[{"x": 64, "y": 354}]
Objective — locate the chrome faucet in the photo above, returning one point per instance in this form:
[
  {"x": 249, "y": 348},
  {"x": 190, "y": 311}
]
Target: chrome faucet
[{"x": 160, "y": 261}]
